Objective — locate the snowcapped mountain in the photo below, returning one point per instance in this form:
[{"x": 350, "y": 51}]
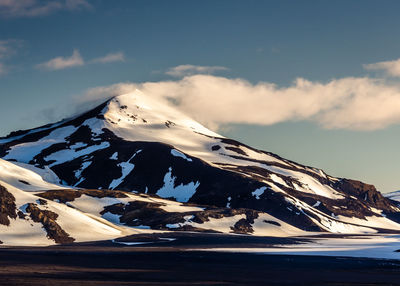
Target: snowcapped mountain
[{"x": 154, "y": 155}]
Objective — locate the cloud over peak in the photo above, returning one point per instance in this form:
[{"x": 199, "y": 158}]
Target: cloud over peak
[{"x": 353, "y": 103}]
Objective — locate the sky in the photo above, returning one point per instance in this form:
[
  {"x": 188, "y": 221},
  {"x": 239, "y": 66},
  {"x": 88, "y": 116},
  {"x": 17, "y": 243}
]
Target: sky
[{"x": 316, "y": 82}]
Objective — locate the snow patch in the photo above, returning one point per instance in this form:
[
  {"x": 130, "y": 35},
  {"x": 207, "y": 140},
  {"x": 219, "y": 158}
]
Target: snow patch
[
  {"x": 181, "y": 193},
  {"x": 187, "y": 219},
  {"x": 25, "y": 152},
  {"x": 114, "y": 156},
  {"x": 316, "y": 204},
  {"x": 27, "y": 178},
  {"x": 66, "y": 155},
  {"x": 257, "y": 193},
  {"x": 177, "y": 153},
  {"x": 78, "y": 173},
  {"x": 228, "y": 204},
  {"x": 126, "y": 168}
]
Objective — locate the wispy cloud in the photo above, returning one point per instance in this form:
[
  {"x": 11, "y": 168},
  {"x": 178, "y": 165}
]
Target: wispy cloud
[
  {"x": 8, "y": 49},
  {"x": 3, "y": 69},
  {"x": 353, "y": 103},
  {"x": 392, "y": 68},
  {"x": 186, "y": 70},
  {"x": 36, "y": 8},
  {"x": 63, "y": 62},
  {"x": 76, "y": 60},
  {"x": 110, "y": 58}
]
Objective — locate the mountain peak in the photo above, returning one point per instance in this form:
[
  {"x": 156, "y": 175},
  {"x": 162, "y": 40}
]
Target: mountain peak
[{"x": 138, "y": 110}]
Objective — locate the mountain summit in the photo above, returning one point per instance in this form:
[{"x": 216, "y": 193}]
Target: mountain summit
[{"x": 137, "y": 144}]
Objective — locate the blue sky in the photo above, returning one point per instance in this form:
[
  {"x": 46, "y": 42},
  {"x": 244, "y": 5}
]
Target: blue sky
[{"x": 345, "y": 52}]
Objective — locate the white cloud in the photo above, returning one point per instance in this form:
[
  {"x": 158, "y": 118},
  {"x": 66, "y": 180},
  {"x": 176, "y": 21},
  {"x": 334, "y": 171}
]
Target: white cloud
[
  {"x": 102, "y": 93},
  {"x": 109, "y": 58},
  {"x": 36, "y": 8},
  {"x": 186, "y": 70},
  {"x": 76, "y": 60},
  {"x": 392, "y": 68},
  {"x": 63, "y": 62},
  {"x": 347, "y": 103}
]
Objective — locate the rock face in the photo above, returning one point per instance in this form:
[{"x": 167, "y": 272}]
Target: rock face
[
  {"x": 48, "y": 220},
  {"x": 137, "y": 144},
  {"x": 7, "y": 206}
]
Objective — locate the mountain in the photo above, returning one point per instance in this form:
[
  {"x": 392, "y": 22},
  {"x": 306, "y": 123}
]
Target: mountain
[
  {"x": 30, "y": 215},
  {"x": 27, "y": 219},
  {"x": 394, "y": 196},
  {"x": 145, "y": 148}
]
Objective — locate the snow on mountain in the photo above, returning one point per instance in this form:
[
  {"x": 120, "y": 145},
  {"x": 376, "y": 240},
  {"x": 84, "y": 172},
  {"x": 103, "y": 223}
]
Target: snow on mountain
[
  {"x": 27, "y": 177},
  {"x": 26, "y": 219},
  {"x": 138, "y": 144},
  {"x": 149, "y": 212},
  {"x": 69, "y": 215}
]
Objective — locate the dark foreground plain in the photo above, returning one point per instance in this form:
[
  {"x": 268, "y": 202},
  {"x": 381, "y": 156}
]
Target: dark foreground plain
[{"x": 164, "y": 262}]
